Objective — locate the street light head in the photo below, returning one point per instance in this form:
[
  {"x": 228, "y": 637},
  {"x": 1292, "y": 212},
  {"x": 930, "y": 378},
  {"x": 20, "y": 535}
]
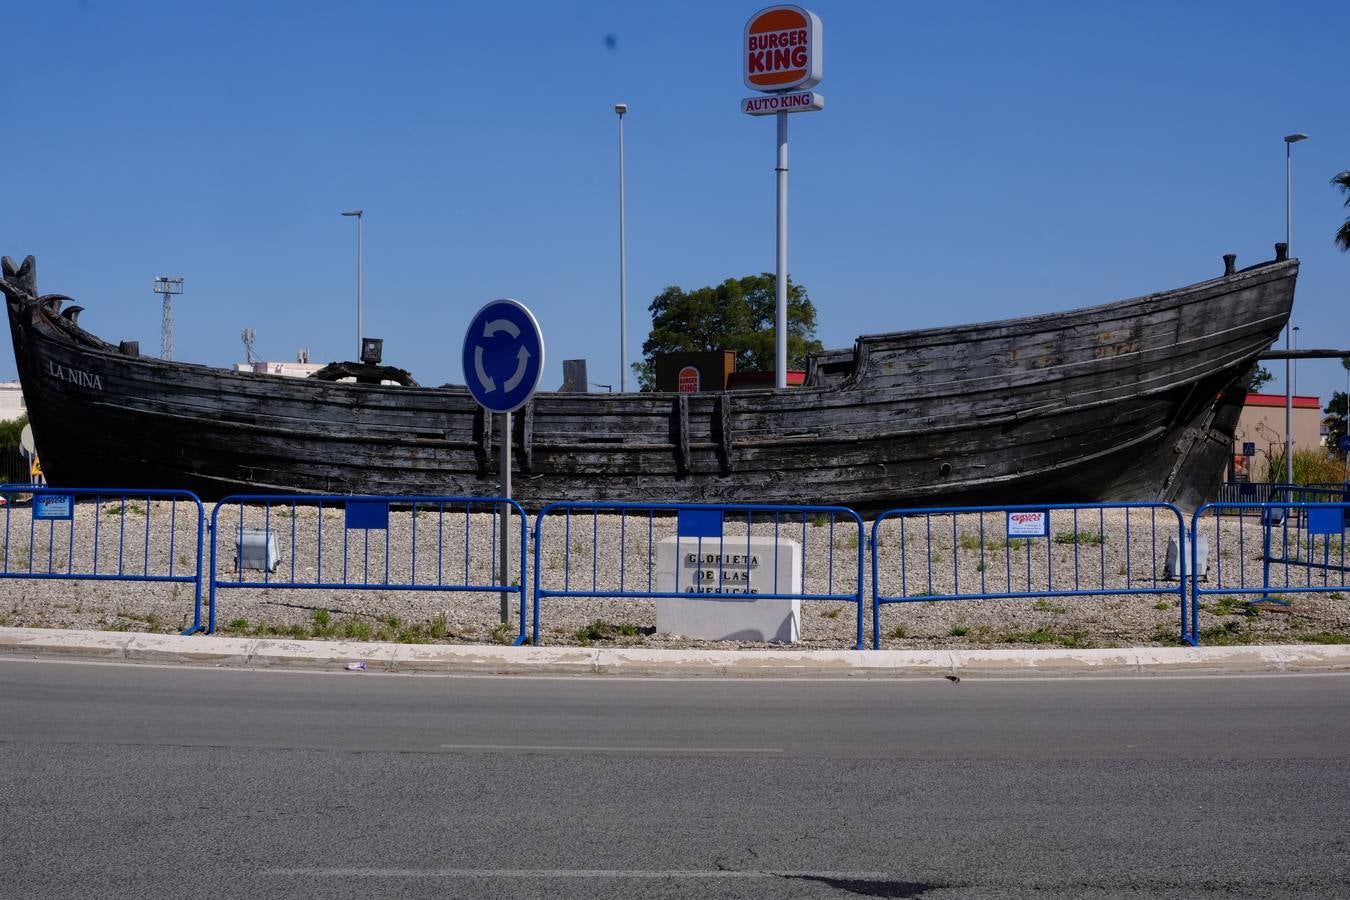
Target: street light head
[
  {"x": 166, "y": 285},
  {"x": 1295, "y": 138},
  {"x": 355, "y": 212},
  {"x": 621, "y": 108}
]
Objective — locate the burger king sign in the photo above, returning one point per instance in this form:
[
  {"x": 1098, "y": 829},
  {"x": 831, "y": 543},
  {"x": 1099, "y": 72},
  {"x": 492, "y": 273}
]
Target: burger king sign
[{"x": 782, "y": 49}]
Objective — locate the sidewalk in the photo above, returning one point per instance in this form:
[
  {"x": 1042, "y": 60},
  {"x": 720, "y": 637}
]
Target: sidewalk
[{"x": 459, "y": 659}]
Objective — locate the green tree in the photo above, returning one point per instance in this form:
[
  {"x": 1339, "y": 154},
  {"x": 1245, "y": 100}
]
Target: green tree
[
  {"x": 735, "y": 315},
  {"x": 12, "y": 466},
  {"x": 1260, "y": 379},
  {"x": 1337, "y": 413},
  {"x": 10, "y": 431},
  {"x": 1335, "y": 410},
  {"x": 1342, "y": 238}
]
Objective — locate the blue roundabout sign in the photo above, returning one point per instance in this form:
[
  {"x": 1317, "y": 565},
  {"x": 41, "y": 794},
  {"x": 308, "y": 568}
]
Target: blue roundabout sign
[{"x": 503, "y": 355}]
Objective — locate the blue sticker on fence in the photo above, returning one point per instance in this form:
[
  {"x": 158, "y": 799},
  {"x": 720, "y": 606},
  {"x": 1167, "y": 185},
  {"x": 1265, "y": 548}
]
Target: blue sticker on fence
[
  {"x": 1326, "y": 521},
  {"x": 367, "y": 514},
  {"x": 700, "y": 523},
  {"x": 53, "y": 506},
  {"x": 1025, "y": 523}
]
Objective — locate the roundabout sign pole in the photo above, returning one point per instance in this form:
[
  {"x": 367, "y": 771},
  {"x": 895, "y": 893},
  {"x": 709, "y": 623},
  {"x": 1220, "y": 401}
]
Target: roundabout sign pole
[{"x": 503, "y": 360}]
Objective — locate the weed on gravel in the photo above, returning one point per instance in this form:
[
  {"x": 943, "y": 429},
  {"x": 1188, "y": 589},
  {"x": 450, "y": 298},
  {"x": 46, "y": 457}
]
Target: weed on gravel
[{"x": 600, "y": 630}]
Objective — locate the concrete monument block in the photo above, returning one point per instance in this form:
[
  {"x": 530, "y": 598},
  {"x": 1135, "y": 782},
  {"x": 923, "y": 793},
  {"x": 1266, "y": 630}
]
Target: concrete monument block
[{"x": 722, "y": 580}]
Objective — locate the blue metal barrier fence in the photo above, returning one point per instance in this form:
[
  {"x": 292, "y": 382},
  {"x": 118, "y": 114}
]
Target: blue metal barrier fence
[
  {"x": 669, "y": 552},
  {"x": 1264, "y": 550},
  {"x": 1232, "y": 493},
  {"x": 104, "y": 534},
  {"x": 1070, "y": 550},
  {"x": 443, "y": 544}
]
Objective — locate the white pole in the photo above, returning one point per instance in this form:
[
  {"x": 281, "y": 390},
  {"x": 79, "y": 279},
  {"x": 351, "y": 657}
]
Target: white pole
[
  {"x": 1289, "y": 141},
  {"x": 781, "y": 271},
  {"x": 503, "y": 552},
  {"x": 1294, "y": 380},
  {"x": 1288, "y": 415},
  {"x": 359, "y": 215},
  {"x": 1288, "y": 367},
  {"x": 360, "y": 218},
  {"x": 622, "y": 108}
]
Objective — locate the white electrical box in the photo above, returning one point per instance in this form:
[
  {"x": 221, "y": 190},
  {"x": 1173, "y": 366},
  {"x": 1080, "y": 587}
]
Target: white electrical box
[
  {"x": 257, "y": 549},
  {"x": 1172, "y": 569}
]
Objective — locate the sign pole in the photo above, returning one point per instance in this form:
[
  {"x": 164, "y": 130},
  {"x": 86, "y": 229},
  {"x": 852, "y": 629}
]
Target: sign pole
[
  {"x": 781, "y": 58},
  {"x": 503, "y": 357},
  {"x": 504, "y": 551},
  {"x": 781, "y": 298}
]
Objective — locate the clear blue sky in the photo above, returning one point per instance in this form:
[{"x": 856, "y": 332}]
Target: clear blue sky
[{"x": 973, "y": 161}]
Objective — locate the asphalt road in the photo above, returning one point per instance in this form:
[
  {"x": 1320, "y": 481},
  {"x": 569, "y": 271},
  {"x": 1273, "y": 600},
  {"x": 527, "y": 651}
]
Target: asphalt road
[{"x": 171, "y": 782}]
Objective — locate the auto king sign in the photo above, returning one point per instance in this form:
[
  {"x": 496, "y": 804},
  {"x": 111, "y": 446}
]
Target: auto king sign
[{"x": 782, "y": 55}]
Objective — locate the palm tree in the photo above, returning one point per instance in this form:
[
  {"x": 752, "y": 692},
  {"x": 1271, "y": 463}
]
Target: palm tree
[{"x": 1342, "y": 181}]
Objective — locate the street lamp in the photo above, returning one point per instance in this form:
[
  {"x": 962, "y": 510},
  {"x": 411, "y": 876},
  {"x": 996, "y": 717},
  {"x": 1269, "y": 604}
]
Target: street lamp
[
  {"x": 359, "y": 214},
  {"x": 1289, "y": 141},
  {"x": 167, "y": 287},
  {"x": 622, "y": 108}
]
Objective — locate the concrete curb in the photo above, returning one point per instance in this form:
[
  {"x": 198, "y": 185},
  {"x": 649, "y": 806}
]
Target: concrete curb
[{"x": 249, "y": 653}]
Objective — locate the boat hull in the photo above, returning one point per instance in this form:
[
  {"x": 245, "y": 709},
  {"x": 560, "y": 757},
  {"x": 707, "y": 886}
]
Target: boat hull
[{"x": 1129, "y": 401}]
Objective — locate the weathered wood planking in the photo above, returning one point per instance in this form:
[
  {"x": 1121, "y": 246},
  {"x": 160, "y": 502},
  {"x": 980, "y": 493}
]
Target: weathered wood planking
[{"x": 1131, "y": 400}]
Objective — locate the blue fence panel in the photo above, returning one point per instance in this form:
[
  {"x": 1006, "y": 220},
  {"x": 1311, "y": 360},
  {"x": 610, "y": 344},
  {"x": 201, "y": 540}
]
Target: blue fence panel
[
  {"x": 1307, "y": 493},
  {"x": 1233, "y": 494},
  {"x": 104, "y": 534},
  {"x": 615, "y": 550},
  {"x": 1273, "y": 548},
  {"x": 345, "y": 542},
  {"x": 1067, "y": 550}
]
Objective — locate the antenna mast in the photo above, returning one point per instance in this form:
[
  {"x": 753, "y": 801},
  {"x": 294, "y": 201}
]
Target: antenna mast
[
  {"x": 248, "y": 337},
  {"x": 168, "y": 287}
]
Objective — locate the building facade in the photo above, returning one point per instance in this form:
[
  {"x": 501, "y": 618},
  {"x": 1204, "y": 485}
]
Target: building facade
[
  {"x": 11, "y": 401},
  {"x": 1261, "y": 429}
]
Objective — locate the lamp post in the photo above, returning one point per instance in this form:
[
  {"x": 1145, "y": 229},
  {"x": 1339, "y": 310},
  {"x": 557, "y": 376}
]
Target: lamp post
[
  {"x": 359, "y": 214},
  {"x": 622, "y": 108},
  {"x": 1294, "y": 380},
  {"x": 167, "y": 287},
  {"x": 1289, "y": 141}
]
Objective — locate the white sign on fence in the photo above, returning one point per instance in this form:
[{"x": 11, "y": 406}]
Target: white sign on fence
[
  {"x": 53, "y": 506},
  {"x": 1029, "y": 523}
]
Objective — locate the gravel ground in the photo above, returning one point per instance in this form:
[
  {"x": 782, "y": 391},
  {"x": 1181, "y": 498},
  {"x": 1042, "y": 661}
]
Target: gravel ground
[{"x": 1119, "y": 550}]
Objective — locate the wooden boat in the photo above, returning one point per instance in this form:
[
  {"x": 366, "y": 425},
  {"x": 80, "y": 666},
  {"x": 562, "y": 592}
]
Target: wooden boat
[{"x": 1135, "y": 400}]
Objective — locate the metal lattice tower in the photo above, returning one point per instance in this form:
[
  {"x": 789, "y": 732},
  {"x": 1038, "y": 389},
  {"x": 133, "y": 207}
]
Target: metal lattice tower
[
  {"x": 168, "y": 287},
  {"x": 248, "y": 337}
]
